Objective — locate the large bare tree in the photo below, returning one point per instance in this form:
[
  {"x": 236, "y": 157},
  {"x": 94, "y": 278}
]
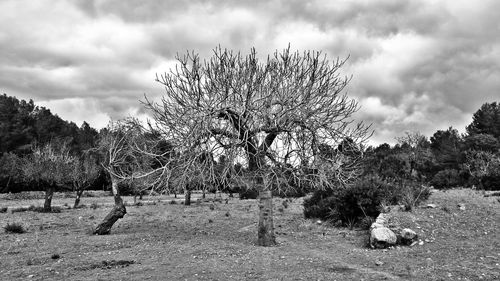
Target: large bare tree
[{"x": 271, "y": 115}]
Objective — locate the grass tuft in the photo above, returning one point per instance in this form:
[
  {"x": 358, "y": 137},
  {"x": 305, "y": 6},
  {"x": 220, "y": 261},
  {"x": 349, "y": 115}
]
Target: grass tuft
[{"x": 14, "y": 228}]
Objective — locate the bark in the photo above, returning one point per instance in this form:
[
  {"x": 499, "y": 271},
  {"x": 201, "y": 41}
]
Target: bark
[
  {"x": 49, "y": 193},
  {"x": 79, "y": 193},
  {"x": 187, "y": 198},
  {"x": 266, "y": 235},
  {"x": 116, "y": 213}
]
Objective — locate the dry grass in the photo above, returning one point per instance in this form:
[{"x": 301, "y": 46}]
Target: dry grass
[{"x": 176, "y": 242}]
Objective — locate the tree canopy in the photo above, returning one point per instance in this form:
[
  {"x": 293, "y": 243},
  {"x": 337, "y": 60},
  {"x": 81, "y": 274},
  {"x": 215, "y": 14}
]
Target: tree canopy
[{"x": 265, "y": 114}]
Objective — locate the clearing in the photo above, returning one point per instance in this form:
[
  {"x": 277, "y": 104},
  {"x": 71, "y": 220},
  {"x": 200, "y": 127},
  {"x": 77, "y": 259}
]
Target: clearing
[{"x": 216, "y": 241}]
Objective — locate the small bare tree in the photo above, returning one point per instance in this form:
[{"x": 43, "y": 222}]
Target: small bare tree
[
  {"x": 127, "y": 157},
  {"x": 85, "y": 170},
  {"x": 49, "y": 165},
  {"x": 272, "y": 116}
]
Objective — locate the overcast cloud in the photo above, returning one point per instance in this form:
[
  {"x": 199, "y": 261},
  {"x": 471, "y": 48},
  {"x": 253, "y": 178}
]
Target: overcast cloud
[{"x": 416, "y": 65}]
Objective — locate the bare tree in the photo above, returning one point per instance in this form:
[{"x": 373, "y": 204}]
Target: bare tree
[
  {"x": 49, "y": 165},
  {"x": 127, "y": 157},
  {"x": 85, "y": 170},
  {"x": 272, "y": 116}
]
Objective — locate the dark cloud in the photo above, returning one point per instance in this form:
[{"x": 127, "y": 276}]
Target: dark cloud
[{"x": 416, "y": 65}]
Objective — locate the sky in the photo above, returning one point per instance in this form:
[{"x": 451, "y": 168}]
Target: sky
[{"x": 416, "y": 66}]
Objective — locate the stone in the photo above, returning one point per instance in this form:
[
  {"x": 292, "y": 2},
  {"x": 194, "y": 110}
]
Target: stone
[
  {"x": 461, "y": 207},
  {"x": 431, "y": 206},
  {"x": 376, "y": 225},
  {"x": 382, "y": 237},
  {"x": 408, "y": 236}
]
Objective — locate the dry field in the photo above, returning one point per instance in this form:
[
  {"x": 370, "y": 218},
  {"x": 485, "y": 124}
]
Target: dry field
[{"x": 216, "y": 241}]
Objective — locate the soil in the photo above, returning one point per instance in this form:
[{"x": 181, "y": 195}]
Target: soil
[{"x": 217, "y": 241}]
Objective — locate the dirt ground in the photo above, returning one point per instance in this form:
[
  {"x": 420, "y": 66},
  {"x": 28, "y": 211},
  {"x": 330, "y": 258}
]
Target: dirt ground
[{"x": 216, "y": 241}]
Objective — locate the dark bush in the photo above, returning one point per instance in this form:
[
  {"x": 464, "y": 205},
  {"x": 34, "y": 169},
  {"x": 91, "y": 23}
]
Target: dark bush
[
  {"x": 319, "y": 204},
  {"x": 14, "y": 228},
  {"x": 363, "y": 199},
  {"x": 491, "y": 182},
  {"x": 248, "y": 194},
  {"x": 445, "y": 179}
]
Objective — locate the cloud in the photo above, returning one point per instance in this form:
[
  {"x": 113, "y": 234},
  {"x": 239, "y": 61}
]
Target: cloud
[{"x": 416, "y": 65}]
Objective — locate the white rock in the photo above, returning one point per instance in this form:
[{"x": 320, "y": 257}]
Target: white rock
[
  {"x": 376, "y": 225},
  {"x": 431, "y": 206},
  {"x": 382, "y": 237},
  {"x": 408, "y": 234}
]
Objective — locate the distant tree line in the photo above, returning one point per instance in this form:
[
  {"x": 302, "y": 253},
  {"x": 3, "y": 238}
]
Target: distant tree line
[
  {"x": 448, "y": 159},
  {"x": 31, "y": 135}
]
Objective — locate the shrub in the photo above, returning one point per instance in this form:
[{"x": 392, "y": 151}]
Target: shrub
[
  {"x": 3, "y": 210},
  {"x": 446, "y": 179},
  {"x": 363, "y": 199},
  {"x": 412, "y": 194},
  {"x": 320, "y": 204},
  {"x": 14, "y": 228},
  {"x": 248, "y": 194}
]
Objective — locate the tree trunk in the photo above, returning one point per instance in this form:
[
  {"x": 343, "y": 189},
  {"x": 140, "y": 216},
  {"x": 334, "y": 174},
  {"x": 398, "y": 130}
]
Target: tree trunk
[
  {"x": 49, "y": 193},
  {"x": 79, "y": 193},
  {"x": 266, "y": 227},
  {"x": 116, "y": 213},
  {"x": 187, "y": 198},
  {"x": 203, "y": 194}
]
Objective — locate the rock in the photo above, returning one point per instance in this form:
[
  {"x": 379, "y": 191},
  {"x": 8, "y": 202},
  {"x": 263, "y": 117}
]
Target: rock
[
  {"x": 431, "y": 206},
  {"x": 408, "y": 236},
  {"x": 376, "y": 225},
  {"x": 382, "y": 237},
  {"x": 385, "y": 209},
  {"x": 461, "y": 207},
  {"x": 378, "y": 263}
]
